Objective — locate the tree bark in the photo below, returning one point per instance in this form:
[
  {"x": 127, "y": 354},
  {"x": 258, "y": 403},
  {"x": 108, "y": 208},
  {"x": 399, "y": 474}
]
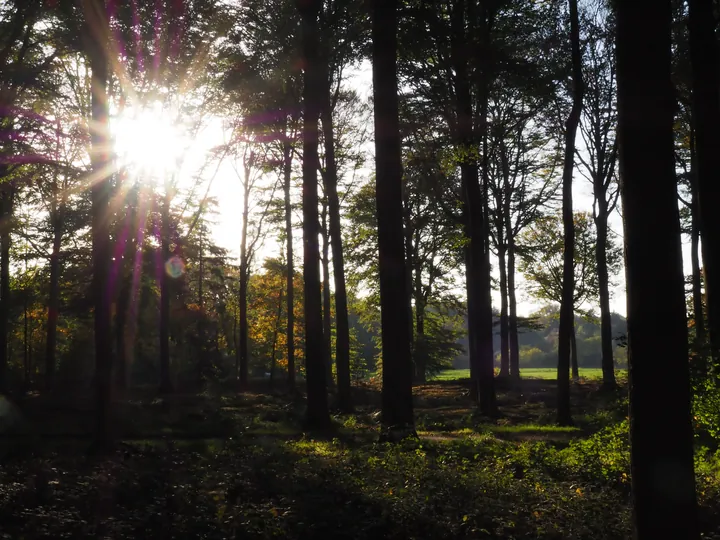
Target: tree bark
[
  {"x": 706, "y": 113},
  {"x": 697, "y": 293},
  {"x": 96, "y": 35},
  {"x": 317, "y": 415},
  {"x": 242, "y": 360},
  {"x": 342, "y": 326},
  {"x": 661, "y": 435},
  {"x": 574, "y": 354},
  {"x": 290, "y": 285},
  {"x": 397, "y": 403},
  {"x": 608, "y": 362},
  {"x": 327, "y": 301},
  {"x": 512, "y": 318},
  {"x": 564, "y": 416},
  {"x": 504, "y": 322}
]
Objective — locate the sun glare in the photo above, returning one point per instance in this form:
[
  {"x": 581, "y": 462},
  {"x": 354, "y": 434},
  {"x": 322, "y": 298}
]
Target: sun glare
[{"x": 148, "y": 142}]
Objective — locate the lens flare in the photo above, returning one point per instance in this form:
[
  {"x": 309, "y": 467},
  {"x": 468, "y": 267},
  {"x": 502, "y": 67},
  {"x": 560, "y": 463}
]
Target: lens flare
[{"x": 175, "y": 267}]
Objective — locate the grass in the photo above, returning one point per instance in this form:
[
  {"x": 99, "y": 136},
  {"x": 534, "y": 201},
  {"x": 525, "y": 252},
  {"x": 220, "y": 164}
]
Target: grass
[
  {"x": 529, "y": 373},
  {"x": 241, "y": 466}
]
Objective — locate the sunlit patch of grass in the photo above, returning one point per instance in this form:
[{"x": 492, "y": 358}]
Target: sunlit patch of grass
[{"x": 536, "y": 428}]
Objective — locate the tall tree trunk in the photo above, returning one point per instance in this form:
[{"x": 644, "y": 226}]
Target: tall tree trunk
[
  {"x": 317, "y": 415},
  {"x": 242, "y": 359},
  {"x": 327, "y": 300},
  {"x": 409, "y": 265},
  {"x": 661, "y": 435},
  {"x": 166, "y": 386},
  {"x": 342, "y": 326},
  {"x": 512, "y": 318},
  {"x": 504, "y": 322},
  {"x": 57, "y": 217},
  {"x": 574, "y": 354},
  {"x": 273, "y": 356},
  {"x": 481, "y": 304},
  {"x": 397, "y": 403},
  {"x": 421, "y": 355},
  {"x": 6, "y": 213},
  {"x": 472, "y": 311},
  {"x": 608, "y": 362},
  {"x": 564, "y": 416},
  {"x": 96, "y": 31},
  {"x": 290, "y": 285},
  {"x": 706, "y": 112},
  {"x": 697, "y": 294}
]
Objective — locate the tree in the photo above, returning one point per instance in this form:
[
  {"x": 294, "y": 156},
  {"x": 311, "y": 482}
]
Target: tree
[
  {"x": 660, "y": 428},
  {"x": 597, "y": 131},
  {"x": 397, "y": 406},
  {"x": 566, "y": 314},
  {"x": 317, "y": 416},
  {"x": 706, "y": 113}
]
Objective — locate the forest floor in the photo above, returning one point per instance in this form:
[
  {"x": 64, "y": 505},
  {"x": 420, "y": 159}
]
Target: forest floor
[{"x": 222, "y": 465}]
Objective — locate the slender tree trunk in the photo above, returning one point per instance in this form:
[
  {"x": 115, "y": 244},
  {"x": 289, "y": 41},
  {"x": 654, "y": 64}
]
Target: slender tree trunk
[
  {"x": 397, "y": 403},
  {"x": 342, "y": 326},
  {"x": 661, "y": 435},
  {"x": 96, "y": 36},
  {"x": 6, "y": 213},
  {"x": 697, "y": 294},
  {"x": 409, "y": 265},
  {"x": 504, "y": 322},
  {"x": 608, "y": 362},
  {"x": 166, "y": 386},
  {"x": 290, "y": 290},
  {"x": 472, "y": 311},
  {"x": 57, "y": 212},
  {"x": 317, "y": 415},
  {"x": 706, "y": 112},
  {"x": 574, "y": 354},
  {"x": 242, "y": 361},
  {"x": 512, "y": 318},
  {"x": 273, "y": 357},
  {"x": 327, "y": 300},
  {"x": 421, "y": 348},
  {"x": 568, "y": 286}
]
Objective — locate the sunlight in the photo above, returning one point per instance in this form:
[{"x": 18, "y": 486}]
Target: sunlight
[{"x": 148, "y": 141}]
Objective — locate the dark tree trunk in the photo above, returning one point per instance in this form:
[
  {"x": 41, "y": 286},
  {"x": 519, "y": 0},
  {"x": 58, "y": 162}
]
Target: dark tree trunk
[
  {"x": 512, "y": 319},
  {"x": 472, "y": 310},
  {"x": 96, "y": 35},
  {"x": 273, "y": 356},
  {"x": 706, "y": 113},
  {"x": 327, "y": 300},
  {"x": 290, "y": 290},
  {"x": 166, "y": 386},
  {"x": 242, "y": 353},
  {"x": 420, "y": 351},
  {"x": 6, "y": 213},
  {"x": 317, "y": 416},
  {"x": 397, "y": 403},
  {"x": 574, "y": 354},
  {"x": 564, "y": 416},
  {"x": 661, "y": 434},
  {"x": 504, "y": 322},
  {"x": 342, "y": 326},
  {"x": 479, "y": 305},
  {"x": 409, "y": 265},
  {"x": 57, "y": 211},
  {"x": 697, "y": 293},
  {"x": 608, "y": 362}
]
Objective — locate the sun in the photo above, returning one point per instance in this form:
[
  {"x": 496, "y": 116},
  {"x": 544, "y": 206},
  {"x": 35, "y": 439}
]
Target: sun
[{"x": 148, "y": 141}]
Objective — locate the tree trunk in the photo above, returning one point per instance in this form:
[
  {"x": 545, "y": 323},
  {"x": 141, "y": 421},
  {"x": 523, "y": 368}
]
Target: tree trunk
[
  {"x": 409, "y": 265},
  {"x": 317, "y": 415},
  {"x": 472, "y": 310},
  {"x": 290, "y": 290},
  {"x": 57, "y": 211},
  {"x": 479, "y": 306},
  {"x": 96, "y": 35},
  {"x": 504, "y": 322},
  {"x": 661, "y": 435},
  {"x": 166, "y": 386},
  {"x": 421, "y": 356},
  {"x": 6, "y": 213},
  {"x": 706, "y": 112},
  {"x": 564, "y": 416},
  {"x": 574, "y": 354},
  {"x": 397, "y": 403},
  {"x": 697, "y": 294},
  {"x": 327, "y": 301},
  {"x": 242, "y": 359},
  {"x": 342, "y": 326},
  {"x": 273, "y": 357},
  {"x": 608, "y": 362},
  {"x": 512, "y": 318}
]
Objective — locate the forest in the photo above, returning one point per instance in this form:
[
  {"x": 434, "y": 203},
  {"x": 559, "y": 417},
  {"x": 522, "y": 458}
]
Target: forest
[{"x": 360, "y": 269}]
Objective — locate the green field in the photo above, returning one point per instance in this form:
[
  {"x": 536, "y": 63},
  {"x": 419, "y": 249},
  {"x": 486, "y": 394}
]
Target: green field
[{"x": 528, "y": 373}]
